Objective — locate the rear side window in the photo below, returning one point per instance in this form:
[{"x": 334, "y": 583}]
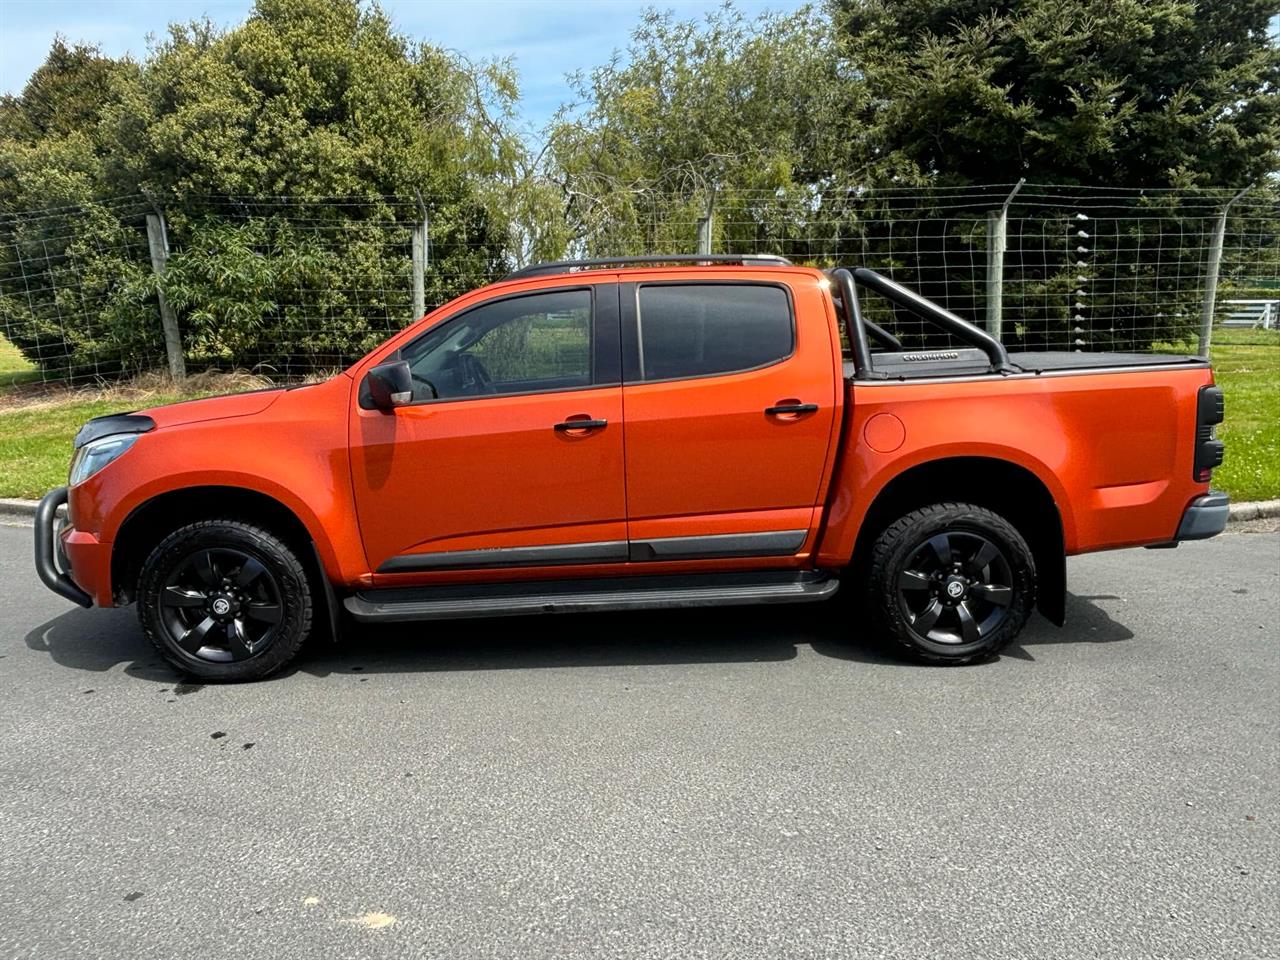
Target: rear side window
[{"x": 700, "y": 329}]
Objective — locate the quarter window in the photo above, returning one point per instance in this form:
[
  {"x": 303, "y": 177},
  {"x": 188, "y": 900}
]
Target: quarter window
[
  {"x": 700, "y": 329},
  {"x": 520, "y": 345}
]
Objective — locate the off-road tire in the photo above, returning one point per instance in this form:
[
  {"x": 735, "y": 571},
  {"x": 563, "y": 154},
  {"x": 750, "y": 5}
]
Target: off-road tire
[
  {"x": 282, "y": 576},
  {"x": 909, "y": 540}
]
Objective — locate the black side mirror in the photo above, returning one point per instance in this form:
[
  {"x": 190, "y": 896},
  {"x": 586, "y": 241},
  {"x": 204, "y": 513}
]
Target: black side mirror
[{"x": 387, "y": 386}]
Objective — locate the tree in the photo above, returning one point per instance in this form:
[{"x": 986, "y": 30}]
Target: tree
[
  {"x": 1103, "y": 92},
  {"x": 63, "y": 243},
  {"x": 307, "y": 99},
  {"x": 724, "y": 107},
  {"x": 827, "y": 134},
  {"x": 1120, "y": 93},
  {"x": 62, "y": 98}
]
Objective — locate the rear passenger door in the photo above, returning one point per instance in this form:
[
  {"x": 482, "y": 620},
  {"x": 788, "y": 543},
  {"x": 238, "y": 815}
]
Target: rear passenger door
[{"x": 728, "y": 406}]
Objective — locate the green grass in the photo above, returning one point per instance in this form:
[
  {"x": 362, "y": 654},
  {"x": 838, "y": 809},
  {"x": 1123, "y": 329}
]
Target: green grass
[
  {"x": 14, "y": 367},
  {"x": 35, "y": 442},
  {"x": 1246, "y": 364}
]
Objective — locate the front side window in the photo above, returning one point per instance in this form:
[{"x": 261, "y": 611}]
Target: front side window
[
  {"x": 700, "y": 329},
  {"x": 519, "y": 345}
]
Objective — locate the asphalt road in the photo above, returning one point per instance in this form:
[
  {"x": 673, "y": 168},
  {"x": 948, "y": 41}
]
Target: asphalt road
[{"x": 738, "y": 784}]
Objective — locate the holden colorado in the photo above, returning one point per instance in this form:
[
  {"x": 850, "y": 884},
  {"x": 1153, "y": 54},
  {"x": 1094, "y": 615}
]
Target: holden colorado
[{"x": 630, "y": 435}]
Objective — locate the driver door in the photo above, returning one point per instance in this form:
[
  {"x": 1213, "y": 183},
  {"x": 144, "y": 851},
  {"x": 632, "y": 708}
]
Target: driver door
[{"x": 486, "y": 469}]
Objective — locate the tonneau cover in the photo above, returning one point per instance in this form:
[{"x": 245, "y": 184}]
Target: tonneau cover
[{"x": 917, "y": 365}]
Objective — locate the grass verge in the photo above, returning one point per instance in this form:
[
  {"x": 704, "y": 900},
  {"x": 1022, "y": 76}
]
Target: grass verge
[
  {"x": 35, "y": 443},
  {"x": 35, "y": 434},
  {"x": 1246, "y": 364},
  {"x": 36, "y": 428}
]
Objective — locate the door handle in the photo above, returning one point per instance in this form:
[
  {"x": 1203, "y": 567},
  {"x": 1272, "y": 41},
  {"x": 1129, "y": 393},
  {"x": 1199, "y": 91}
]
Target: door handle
[
  {"x": 792, "y": 408},
  {"x": 582, "y": 424}
]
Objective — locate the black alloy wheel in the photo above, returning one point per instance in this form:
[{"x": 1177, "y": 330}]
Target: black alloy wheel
[
  {"x": 951, "y": 583},
  {"x": 956, "y": 588},
  {"x": 221, "y": 605},
  {"x": 225, "y": 600}
]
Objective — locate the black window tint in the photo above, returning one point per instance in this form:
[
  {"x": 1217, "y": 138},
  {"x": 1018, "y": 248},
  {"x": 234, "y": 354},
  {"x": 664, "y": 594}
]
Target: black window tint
[
  {"x": 519, "y": 345},
  {"x": 694, "y": 330}
]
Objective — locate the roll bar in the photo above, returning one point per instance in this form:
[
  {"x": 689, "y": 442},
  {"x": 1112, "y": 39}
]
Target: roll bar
[
  {"x": 854, "y": 323},
  {"x": 848, "y": 282}
]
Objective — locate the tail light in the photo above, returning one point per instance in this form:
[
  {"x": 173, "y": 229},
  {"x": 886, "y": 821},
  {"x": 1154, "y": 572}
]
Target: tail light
[{"x": 1209, "y": 411}]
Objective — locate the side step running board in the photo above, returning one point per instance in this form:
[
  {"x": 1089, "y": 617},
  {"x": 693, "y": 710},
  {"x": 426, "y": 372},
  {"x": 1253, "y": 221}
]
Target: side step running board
[{"x": 398, "y": 604}]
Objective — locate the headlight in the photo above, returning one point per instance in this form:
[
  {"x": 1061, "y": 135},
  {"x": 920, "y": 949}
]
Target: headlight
[{"x": 96, "y": 454}]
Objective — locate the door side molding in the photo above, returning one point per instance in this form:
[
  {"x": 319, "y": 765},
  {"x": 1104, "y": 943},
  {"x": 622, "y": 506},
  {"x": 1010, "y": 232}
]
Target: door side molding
[
  {"x": 556, "y": 554},
  {"x": 772, "y": 543}
]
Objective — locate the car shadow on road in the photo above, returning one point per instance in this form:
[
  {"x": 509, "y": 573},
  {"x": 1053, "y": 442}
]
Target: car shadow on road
[
  {"x": 725, "y": 635},
  {"x": 1087, "y": 622},
  {"x": 98, "y": 640}
]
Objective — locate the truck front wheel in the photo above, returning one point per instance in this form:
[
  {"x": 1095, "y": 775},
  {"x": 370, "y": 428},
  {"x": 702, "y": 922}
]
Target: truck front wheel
[
  {"x": 225, "y": 601},
  {"x": 952, "y": 583}
]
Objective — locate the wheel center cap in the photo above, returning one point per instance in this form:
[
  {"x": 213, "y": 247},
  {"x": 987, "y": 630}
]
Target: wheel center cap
[
  {"x": 955, "y": 588},
  {"x": 221, "y": 606}
]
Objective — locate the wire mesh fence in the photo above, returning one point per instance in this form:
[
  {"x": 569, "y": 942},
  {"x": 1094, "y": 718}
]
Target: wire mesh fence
[
  {"x": 288, "y": 286},
  {"x": 1081, "y": 269}
]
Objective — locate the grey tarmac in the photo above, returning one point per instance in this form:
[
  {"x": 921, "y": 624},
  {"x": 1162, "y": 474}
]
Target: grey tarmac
[{"x": 741, "y": 783}]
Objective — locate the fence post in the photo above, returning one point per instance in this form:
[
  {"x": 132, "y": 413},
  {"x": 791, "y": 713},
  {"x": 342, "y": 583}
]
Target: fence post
[
  {"x": 704, "y": 225},
  {"x": 997, "y": 222},
  {"x": 158, "y": 241},
  {"x": 1211, "y": 273},
  {"x": 421, "y": 256}
]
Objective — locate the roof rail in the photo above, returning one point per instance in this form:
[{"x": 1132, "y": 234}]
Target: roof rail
[{"x": 735, "y": 259}]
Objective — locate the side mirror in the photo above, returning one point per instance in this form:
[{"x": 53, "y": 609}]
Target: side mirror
[{"x": 388, "y": 385}]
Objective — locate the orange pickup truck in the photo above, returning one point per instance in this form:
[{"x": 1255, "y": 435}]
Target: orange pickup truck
[{"x": 627, "y": 435}]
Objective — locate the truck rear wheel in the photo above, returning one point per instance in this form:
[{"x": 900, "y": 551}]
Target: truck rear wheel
[
  {"x": 225, "y": 601},
  {"x": 952, "y": 583}
]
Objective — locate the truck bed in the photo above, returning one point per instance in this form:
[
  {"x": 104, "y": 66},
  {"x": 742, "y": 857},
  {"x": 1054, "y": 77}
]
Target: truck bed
[{"x": 969, "y": 362}]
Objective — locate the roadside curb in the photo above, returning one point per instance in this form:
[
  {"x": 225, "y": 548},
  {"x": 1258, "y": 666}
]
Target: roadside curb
[
  {"x": 18, "y": 508},
  {"x": 1238, "y": 512},
  {"x": 1257, "y": 510}
]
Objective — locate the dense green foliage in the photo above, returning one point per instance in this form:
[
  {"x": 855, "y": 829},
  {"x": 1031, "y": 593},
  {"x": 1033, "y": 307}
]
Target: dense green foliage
[
  {"x": 1148, "y": 93},
  {"x": 743, "y": 113},
  {"x": 849, "y": 135},
  {"x": 311, "y": 99},
  {"x": 806, "y": 130}
]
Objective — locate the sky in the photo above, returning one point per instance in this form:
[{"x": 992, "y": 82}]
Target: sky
[{"x": 547, "y": 38}]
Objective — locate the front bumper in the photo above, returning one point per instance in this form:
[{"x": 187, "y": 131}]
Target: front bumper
[
  {"x": 50, "y": 561},
  {"x": 1204, "y": 517}
]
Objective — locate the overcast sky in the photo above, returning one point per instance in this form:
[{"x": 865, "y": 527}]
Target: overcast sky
[{"x": 547, "y": 38}]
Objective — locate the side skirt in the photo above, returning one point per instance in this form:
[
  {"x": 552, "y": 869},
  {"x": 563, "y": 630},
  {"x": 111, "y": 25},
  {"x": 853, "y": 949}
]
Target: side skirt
[{"x": 395, "y": 604}]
